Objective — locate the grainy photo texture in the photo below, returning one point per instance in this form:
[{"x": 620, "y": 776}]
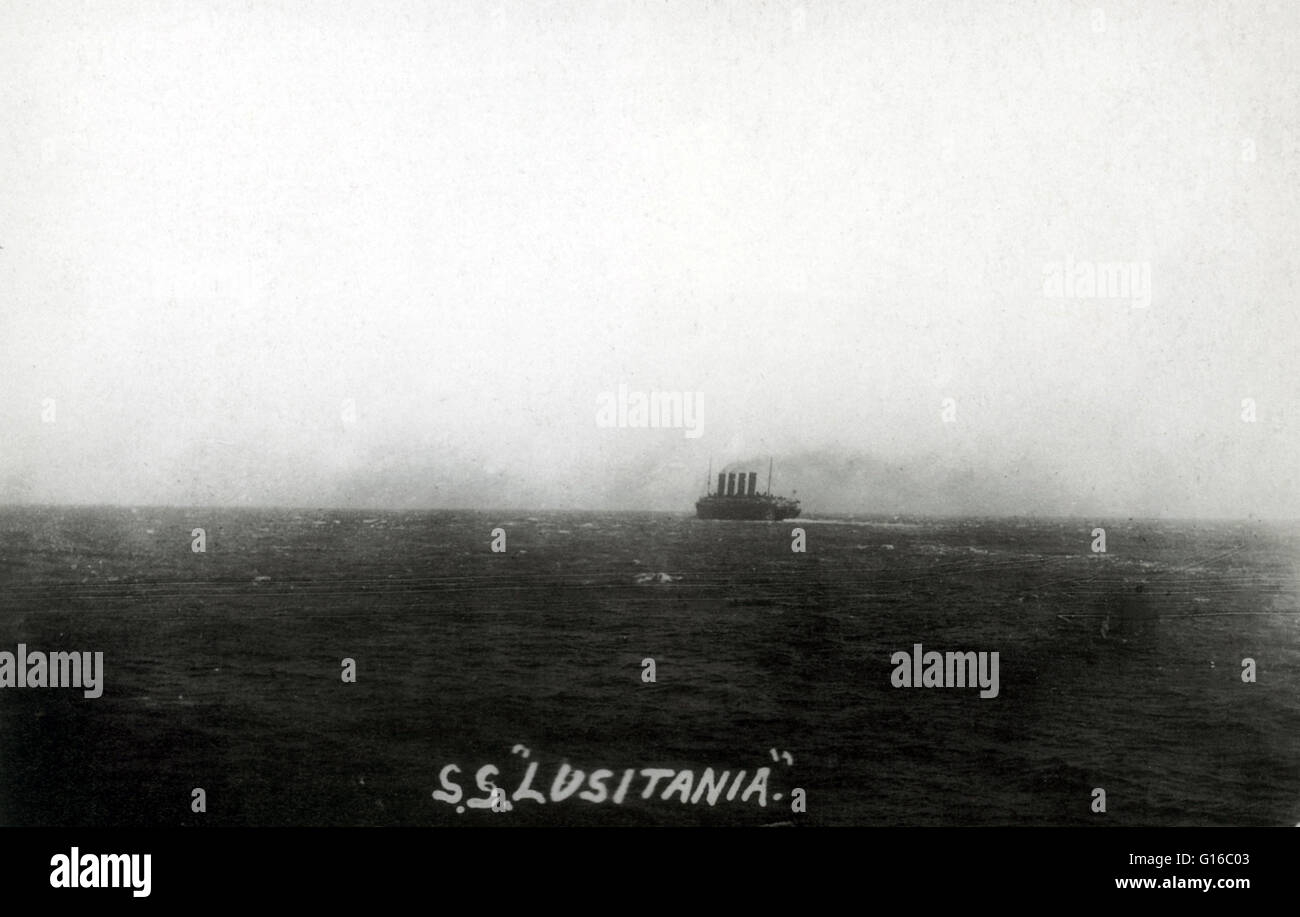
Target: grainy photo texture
[{"x": 789, "y": 413}]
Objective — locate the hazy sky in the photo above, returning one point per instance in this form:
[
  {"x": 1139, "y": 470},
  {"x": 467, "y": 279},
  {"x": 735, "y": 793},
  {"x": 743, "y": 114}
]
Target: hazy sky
[{"x": 302, "y": 253}]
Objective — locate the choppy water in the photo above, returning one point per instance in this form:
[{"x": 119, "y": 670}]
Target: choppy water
[{"x": 222, "y": 669}]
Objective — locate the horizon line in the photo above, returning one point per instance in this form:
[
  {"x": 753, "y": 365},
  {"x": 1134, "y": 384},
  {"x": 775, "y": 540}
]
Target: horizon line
[{"x": 283, "y": 507}]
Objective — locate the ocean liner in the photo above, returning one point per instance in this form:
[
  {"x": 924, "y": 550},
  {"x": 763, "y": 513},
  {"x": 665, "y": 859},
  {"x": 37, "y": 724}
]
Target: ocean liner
[{"x": 737, "y": 497}]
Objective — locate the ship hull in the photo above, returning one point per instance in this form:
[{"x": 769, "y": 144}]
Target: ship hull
[{"x": 748, "y": 508}]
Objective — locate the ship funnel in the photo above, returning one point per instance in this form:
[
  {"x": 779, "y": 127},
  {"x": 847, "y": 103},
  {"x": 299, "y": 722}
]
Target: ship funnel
[
  {"x": 722, "y": 483},
  {"x": 753, "y": 484},
  {"x": 731, "y": 484}
]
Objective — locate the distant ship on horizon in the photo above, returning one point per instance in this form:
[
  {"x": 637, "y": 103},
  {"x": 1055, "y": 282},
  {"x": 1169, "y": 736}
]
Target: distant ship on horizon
[{"x": 737, "y": 497}]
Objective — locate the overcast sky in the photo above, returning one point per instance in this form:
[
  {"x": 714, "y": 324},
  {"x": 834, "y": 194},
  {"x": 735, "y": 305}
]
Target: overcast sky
[{"x": 298, "y": 253}]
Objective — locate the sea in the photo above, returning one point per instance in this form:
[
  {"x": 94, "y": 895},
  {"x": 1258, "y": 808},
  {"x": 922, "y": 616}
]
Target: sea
[{"x": 274, "y": 667}]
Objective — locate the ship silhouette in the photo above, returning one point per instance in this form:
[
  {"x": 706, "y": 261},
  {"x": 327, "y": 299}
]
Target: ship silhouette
[{"x": 737, "y": 497}]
